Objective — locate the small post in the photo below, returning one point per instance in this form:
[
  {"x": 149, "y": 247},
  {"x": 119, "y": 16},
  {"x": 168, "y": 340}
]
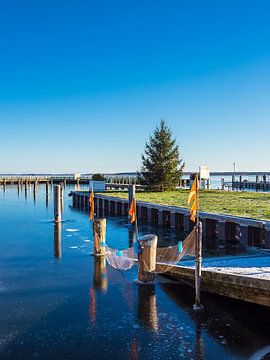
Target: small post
[
  {"x": 131, "y": 193},
  {"x": 222, "y": 184},
  {"x": 47, "y": 190},
  {"x": 198, "y": 268},
  {"x": 57, "y": 204},
  {"x": 147, "y": 258},
  {"x": 99, "y": 232}
]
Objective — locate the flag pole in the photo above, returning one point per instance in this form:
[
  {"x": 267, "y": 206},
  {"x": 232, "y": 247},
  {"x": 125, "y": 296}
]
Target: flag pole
[{"x": 198, "y": 263}]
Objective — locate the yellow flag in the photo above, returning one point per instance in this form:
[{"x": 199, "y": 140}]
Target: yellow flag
[
  {"x": 132, "y": 210},
  {"x": 193, "y": 197},
  {"x": 92, "y": 205}
]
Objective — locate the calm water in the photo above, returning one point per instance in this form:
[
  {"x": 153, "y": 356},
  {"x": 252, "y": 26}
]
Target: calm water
[{"x": 58, "y": 302}]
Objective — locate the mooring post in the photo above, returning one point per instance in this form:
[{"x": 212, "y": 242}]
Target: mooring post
[
  {"x": 47, "y": 190},
  {"x": 99, "y": 232},
  {"x": 198, "y": 269},
  {"x": 147, "y": 258},
  {"x": 57, "y": 203}
]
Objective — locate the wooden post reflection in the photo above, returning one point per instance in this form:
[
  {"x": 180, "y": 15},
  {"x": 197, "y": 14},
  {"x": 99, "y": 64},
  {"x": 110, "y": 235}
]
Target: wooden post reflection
[
  {"x": 147, "y": 307},
  {"x": 100, "y": 273},
  {"x": 131, "y": 236},
  {"x": 57, "y": 240}
]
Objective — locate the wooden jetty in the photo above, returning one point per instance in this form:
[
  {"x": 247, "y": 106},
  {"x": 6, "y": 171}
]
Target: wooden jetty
[
  {"x": 246, "y": 285},
  {"x": 221, "y": 280}
]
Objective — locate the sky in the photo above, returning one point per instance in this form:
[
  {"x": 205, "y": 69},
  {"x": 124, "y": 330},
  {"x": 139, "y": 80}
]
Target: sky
[{"x": 84, "y": 83}]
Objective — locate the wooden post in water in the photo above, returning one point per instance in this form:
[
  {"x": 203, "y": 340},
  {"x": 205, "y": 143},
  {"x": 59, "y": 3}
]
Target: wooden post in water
[
  {"x": 147, "y": 258},
  {"x": 57, "y": 204},
  {"x": 47, "y": 190},
  {"x": 99, "y": 232}
]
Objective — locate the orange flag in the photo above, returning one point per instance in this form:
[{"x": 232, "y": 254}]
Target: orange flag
[
  {"x": 193, "y": 197},
  {"x": 132, "y": 210},
  {"x": 92, "y": 205}
]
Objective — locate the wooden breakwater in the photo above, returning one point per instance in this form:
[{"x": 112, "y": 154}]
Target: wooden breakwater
[
  {"x": 218, "y": 229},
  {"x": 112, "y": 183}
]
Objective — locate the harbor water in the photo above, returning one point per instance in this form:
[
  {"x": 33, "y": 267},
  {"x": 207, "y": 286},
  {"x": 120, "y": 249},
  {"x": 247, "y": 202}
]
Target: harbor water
[{"x": 59, "y": 302}]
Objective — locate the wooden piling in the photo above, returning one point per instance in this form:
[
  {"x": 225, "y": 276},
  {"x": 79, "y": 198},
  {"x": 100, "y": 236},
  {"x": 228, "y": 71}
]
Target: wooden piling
[
  {"x": 99, "y": 232},
  {"x": 147, "y": 258},
  {"x": 57, "y": 204}
]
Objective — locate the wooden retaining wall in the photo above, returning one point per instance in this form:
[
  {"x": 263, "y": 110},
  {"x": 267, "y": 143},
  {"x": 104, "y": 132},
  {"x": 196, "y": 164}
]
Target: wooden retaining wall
[{"x": 217, "y": 228}]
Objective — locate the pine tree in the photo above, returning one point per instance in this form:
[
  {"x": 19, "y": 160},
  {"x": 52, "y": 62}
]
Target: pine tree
[{"x": 161, "y": 163}]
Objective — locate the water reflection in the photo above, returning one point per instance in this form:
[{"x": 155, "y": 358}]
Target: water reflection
[
  {"x": 147, "y": 307},
  {"x": 100, "y": 273},
  {"x": 57, "y": 240},
  {"x": 131, "y": 235}
]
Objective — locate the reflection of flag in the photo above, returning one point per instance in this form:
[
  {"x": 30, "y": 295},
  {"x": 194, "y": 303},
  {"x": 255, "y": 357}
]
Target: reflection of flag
[
  {"x": 92, "y": 307},
  {"x": 132, "y": 210},
  {"x": 92, "y": 205},
  {"x": 193, "y": 198}
]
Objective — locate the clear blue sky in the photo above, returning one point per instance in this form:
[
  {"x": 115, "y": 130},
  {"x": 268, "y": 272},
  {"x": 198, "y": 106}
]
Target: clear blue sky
[{"x": 83, "y": 83}]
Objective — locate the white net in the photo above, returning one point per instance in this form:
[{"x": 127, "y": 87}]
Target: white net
[
  {"x": 168, "y": 257},
  {"x": 165, "y": 258},
  {"x": 120, "y": 259}
]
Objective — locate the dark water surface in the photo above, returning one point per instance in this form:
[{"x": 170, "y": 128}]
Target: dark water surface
[{"x": 58, "y": 302}]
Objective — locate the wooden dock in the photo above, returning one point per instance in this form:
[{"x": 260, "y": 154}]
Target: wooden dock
[
  {"x": 247, "y": 285},
  {"x": 220, "y": 229}
]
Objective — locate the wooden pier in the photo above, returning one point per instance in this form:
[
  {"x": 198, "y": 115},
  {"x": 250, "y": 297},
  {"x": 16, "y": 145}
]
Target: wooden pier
[{"x": 249, "y": 285}]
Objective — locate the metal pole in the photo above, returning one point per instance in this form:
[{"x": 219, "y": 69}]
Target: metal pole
[{"x": 198, "y": 264}]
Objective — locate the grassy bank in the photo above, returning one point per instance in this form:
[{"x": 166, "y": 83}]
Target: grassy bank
[{"x": 246, "y": 204}]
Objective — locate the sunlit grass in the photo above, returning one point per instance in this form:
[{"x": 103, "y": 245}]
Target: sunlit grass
[{"x": 246, "y": 204}]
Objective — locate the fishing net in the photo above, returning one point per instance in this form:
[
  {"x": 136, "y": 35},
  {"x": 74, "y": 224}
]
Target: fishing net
[
  {"x": 168, "y": 257},
  {"x": 120, "y": 259},
  {"x": 165, "y": 258}
]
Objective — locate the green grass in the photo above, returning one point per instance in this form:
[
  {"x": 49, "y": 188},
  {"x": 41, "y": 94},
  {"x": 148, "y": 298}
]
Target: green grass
[{"x": 245, "y": 204}]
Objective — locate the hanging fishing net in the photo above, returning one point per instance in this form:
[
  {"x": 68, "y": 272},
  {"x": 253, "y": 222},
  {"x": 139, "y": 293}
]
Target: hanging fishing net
[
  {"x": 120, "y": 259},
  {"x": 165, "y": 258},
  {"x": 168, "y": 257}
]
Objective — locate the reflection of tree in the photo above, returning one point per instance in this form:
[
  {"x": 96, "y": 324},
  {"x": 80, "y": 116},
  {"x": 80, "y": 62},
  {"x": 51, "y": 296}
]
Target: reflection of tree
[
  {"x": 57, "y": 240},
  {"x": 147, "y": 307}
]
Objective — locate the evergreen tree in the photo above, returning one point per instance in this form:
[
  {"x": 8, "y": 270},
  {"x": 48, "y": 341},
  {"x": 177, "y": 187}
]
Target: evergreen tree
[{"x": 161, "y": 163}]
